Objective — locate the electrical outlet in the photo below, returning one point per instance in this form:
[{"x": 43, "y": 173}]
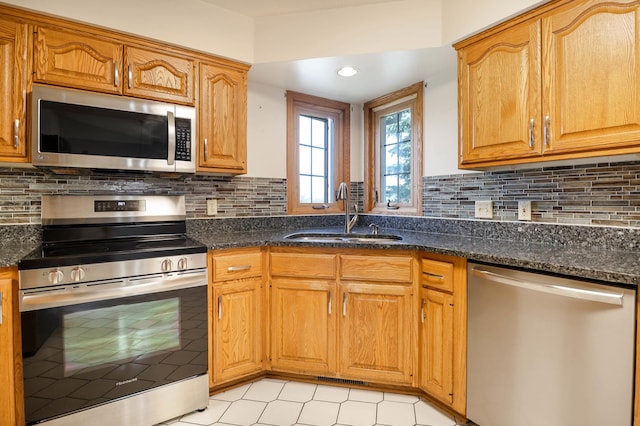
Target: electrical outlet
[
  {"x": 212, "y": 207},
  {"x": 524, "y": 210},
  {"x": 484, "y": 209}
]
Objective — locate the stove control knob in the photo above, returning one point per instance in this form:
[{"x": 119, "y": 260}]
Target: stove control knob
[
  {"x": 56, "y": 276},
  {"x": 77, "y": 274},
  {"x": 182, "y": 263},
  {"x": 166, "y": 265}
]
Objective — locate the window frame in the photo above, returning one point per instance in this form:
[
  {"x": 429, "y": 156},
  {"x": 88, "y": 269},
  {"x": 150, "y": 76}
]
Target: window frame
[
  {"x": 303, "y": 104},
  {"x": 408, "y": 97}
]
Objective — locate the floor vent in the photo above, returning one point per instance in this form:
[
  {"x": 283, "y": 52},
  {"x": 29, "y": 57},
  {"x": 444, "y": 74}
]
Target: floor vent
[{"x": 342, "y": 381}]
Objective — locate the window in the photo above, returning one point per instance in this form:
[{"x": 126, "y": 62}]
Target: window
[
  {"x": 318, "y": 153},
  {"x": 393, "y": 152}
]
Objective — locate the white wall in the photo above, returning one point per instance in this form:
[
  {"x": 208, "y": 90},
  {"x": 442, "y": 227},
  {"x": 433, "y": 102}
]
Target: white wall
[
  {"x": 396, "y": 25},
  {"x": 461, "y": 18},
  {"x": 190, "y": 23}
]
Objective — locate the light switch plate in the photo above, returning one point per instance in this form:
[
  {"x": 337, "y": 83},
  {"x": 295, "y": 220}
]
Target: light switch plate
[
  {"x": 524, "y": 210},
  {"x": 212, "y": 207},
  {"x": 484, "y": 209}
]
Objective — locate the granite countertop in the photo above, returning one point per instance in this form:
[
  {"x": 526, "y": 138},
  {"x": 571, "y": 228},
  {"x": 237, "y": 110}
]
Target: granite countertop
[
  {"x": 614, "y": 266},
  {"x": 620, "y": 267}
]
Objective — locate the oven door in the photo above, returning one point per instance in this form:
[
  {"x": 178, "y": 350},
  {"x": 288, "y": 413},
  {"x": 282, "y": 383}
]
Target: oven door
[{"x": 80, "y": 352}]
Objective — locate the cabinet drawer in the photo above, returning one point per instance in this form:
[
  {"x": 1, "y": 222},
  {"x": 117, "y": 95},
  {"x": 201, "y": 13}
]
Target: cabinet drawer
[
  {"x": 303, "y": 265},
  {"x": 236, "y": 266},
  {"x": 437, "y": 274},
  {"x": 376, "y": 268}
]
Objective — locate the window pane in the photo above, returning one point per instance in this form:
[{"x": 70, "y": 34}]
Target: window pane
[
  {"x": 305, "y": 160},
  {"x": 304, "y": 130},
  {"x": 390, "y": 185},
  {"x": 404, "y": 157},
  {"x": 318, "y": 190},
  {"x": 319, "y": 133},
  {"x": 318, "y": 168},
  {"x": 404, "y": 189},
  {"x": 305, "y": 189},
  {"x": 391, "y": 159},
  {"x": 404, "y": 125}
]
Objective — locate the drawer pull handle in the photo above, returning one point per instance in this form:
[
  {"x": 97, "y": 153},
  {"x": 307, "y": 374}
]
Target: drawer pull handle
[
  {"x": 206, "y": 149},
  {"x": 16, "y": 134},
  {"x": 424, "y": 301},
  {"x": 344, "y": 304},
  {"x": 129, "y": 77},
  {"x": 330, "y": 302},
  {"x": 238, "y": 268},
  {"x": 432, "y": 275},
  {"x": 219, "y": 307},
  {"x": 116, "y": 75}
]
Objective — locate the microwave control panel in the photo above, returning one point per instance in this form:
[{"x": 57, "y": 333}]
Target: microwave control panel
[{"x": 183, "y": 139}]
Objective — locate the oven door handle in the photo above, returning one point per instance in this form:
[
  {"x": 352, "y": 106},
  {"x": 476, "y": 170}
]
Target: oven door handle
[{"x": 31, "y": 300}]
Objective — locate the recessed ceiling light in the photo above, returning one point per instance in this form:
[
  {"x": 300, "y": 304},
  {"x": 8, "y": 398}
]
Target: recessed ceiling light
[{"x": 347, "y": 71}]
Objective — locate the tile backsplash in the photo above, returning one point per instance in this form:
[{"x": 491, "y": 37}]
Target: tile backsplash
[{"x": 597, "y": 194}]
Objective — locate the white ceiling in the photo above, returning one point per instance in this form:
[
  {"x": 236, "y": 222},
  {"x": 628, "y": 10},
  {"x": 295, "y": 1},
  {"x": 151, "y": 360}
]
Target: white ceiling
[
  {"x": 257, "y": 8},
  {"x": 379, "y": 73}
]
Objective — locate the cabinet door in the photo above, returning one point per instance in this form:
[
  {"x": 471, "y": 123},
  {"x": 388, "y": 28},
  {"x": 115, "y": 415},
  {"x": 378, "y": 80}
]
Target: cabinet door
[
  {"x": 592, "y": 93},
  {"x": 499, "y": 84},
  {"x": 375, "y": 332},
  {"x": 436, "y": 344},
  {"x": 155, "y": 75},
  {"x": 222, "y": 120},
  {"x": 77, "y": 60},
  {"x": 303, "y": 321},
  {"x": 237, "y": 338},
  {"x": 11, "y": 394},
  {"x": 13, "y": 91}
]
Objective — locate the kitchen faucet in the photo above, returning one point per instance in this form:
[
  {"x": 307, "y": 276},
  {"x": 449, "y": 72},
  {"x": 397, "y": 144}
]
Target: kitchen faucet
[{"x": 343, "y": 194}]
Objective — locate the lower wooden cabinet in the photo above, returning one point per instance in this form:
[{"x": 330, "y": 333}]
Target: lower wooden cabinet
[
  {"x": 442, "y": 341},
  {"x": 235, "y": 315},
  {"x": 11, "y": 391},
  {"x": 378, "y": 316},
  {"x": 375, "y": 333},
  {"x": 303, "y": 326}
]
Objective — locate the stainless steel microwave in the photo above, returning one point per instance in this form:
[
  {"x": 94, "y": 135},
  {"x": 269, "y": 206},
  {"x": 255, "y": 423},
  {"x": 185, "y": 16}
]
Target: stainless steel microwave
[{"x": 78, "y": 129}]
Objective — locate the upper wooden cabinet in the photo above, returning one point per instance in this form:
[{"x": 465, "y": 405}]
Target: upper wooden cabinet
[
  {"x": 83, "y": 61},
  {"x": 562, "y": 82},
  {"x": 153, "y": 74},
  {"x": 14, "y": 69},
  {"x": 222, "y": 129}
]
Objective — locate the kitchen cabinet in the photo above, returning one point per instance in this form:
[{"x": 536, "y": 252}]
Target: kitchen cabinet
[
  {"x": 236, "y": 299},
  {"x": 375, "y": 325},
  {"x": 222, "y": 120},
  {"x": 84, "y": 61},
  {"x": 14, "y": 68},
  {"x": 582, "y": 100},
  {"x": 442, "y": 329},
  {"x": 11, "y": 391},
  {"x": 343, "y": 314},
  {"x": 303, "y": 312}
]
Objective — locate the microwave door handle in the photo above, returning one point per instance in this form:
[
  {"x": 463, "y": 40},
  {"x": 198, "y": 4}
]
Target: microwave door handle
[{"x": 171, "y": 120}]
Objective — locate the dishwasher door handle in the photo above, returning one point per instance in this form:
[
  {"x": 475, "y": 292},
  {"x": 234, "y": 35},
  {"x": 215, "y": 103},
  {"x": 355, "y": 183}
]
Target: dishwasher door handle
[{"x": 575, "y": 290}]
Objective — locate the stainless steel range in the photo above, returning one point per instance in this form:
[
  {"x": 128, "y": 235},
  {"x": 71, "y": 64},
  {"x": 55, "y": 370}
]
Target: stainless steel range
[{"x": 114, "y": 313}]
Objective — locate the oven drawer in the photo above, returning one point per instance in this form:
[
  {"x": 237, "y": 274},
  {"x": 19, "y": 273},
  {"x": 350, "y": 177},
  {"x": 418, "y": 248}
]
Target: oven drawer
[{"x": 236, "y": 264}]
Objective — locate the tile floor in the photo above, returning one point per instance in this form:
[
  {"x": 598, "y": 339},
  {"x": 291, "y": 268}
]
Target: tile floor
[{"x": 285, "y": 403}]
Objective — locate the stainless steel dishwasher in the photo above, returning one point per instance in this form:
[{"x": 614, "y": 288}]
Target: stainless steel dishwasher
[{"x": 548, "y": 351}]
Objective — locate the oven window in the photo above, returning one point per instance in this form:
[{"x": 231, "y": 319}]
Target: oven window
[
  {"x": 83, "y": 355},
  {"x": 78, "y": 129},
  {"x": 94, "y": 338}
]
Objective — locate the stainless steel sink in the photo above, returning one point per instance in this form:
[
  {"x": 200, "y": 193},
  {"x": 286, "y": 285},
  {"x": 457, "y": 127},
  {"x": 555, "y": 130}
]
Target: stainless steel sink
[{"x": 344, "y": 238}]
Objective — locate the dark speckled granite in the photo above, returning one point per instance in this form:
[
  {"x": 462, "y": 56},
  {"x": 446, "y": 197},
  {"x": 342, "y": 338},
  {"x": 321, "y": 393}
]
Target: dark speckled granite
[
  {"x": 606, "y": 254},
  {"x": 601, "y": 253},
  {"x": 16, "y": 241}
]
